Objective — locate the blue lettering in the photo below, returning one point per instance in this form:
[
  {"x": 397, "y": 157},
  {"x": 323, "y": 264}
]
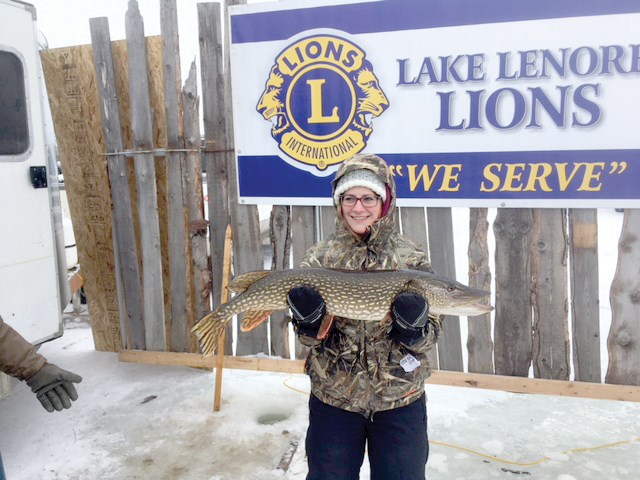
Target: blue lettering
[
  {"x": 448, "y": 68},
  {"x": 540, "y": 98},
  {"x": 503, "y": 64},
  {"x": 612, "y": 56},
  {"x": 445, "y": 112},
  {"x": 475, "y": 96},
  {"x": 476, "y": 64},
  {"x": 428, "y": 70},
  {"x": 549, "y": 59},
  {"x": 585, "y": 104},
  {"x": 351, "y": 58},
  {"x": 313, "y": 49},
  {"x": 518, "y": 108},
  {"x": 528, "y": 64},
  {"x": 576, "y": 62},
  {"x": 635, "y": 59},
  {"x": 336, "y": 53},
  {"x": 402, "y": 70}
]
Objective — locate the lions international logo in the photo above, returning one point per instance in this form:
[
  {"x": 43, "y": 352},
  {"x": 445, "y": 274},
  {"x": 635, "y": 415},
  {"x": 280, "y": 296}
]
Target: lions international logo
[{"x": 321, "y": 97}]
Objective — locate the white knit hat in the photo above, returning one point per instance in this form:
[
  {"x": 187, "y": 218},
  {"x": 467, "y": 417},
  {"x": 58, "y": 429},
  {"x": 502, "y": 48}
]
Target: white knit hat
[{"x": 360, "y": 178}]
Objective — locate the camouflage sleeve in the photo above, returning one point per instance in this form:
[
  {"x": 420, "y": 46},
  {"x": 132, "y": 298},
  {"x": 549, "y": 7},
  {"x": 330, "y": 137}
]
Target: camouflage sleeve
[
  {"x": 312, "y": 259},
  {"x": 315, "y": 256},
  {"x": 309, "y": 341},
  {"x": 411, "y": 256},
  {"x": 431, "y": 338}
]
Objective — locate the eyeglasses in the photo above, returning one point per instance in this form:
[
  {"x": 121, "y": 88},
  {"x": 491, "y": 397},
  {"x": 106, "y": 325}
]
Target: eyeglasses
[{"x": 366, "y": 201}]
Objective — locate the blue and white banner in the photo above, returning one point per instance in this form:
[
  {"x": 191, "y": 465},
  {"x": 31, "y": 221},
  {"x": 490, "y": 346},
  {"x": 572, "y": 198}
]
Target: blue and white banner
[{"x": 471, "y": 102}]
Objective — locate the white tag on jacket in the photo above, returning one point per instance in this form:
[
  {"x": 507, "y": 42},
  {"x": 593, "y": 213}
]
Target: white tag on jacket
[{"x": 409, "y": 363}]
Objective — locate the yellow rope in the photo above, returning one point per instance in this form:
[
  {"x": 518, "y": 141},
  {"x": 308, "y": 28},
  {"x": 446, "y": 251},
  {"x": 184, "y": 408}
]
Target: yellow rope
[
  {"x": 293, "y": 388},
  {"x": 536, "y": 462},
  {"x": 498, "y": 459}
]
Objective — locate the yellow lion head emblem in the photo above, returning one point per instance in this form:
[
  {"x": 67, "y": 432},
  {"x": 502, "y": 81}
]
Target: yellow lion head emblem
[{"x": 270, "y": 105}]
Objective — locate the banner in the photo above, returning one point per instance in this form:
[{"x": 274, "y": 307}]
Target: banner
[{"x": 472, "y": 103}]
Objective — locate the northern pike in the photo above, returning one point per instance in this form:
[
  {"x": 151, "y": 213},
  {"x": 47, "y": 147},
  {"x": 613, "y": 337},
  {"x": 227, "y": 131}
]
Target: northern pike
[{"x": 354, "y": 294}]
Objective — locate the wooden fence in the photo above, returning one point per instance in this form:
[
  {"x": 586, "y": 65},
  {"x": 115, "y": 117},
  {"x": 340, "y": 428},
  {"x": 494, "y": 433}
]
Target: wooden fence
[{"x": 130, "y": 144}]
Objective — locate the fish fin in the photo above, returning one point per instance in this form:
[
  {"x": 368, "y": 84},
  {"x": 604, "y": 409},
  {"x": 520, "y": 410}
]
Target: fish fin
[
  {"x": 325, "y": 326},
  {"x": 244, "y": 281},
  {"x": 209, "y": 330},
  {"x": 253, "y": 318}
]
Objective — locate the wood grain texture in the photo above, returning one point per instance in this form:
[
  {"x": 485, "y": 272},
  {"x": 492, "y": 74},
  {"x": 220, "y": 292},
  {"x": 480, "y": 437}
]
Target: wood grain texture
[{"x": 585, "y": 294}]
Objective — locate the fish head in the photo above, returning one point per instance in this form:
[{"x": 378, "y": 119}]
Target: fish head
[{"x": 448, "y": 297}]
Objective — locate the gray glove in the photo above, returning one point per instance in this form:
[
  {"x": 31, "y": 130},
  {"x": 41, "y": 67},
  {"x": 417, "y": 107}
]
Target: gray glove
[{"x": 54, "y": 388}]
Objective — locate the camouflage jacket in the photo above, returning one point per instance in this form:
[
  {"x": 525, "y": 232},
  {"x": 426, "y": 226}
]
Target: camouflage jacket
[{"x": 358, "y": 367}]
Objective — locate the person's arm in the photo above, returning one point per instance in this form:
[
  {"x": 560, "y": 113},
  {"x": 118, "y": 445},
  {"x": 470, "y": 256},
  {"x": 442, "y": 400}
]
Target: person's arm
[
  {"x": 307, "y": 306},
  {"x": 307, "y": 311},
  {"x": 18, "y": 357},
  {"x": 411, "y": 324},
  {"x": 52, "y": 385}
]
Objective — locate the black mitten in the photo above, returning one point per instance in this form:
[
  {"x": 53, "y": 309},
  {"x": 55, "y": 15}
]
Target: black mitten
[
  {"x": 307, "y": 310},
  {"x": 410, "y": 314}
]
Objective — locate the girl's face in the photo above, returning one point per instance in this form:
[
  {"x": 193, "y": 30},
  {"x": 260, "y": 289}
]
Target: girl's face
[{"x": 360, "y": 217}]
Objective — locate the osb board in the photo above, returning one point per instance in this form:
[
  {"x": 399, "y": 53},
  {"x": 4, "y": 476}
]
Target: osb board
[{"x": 73, "y": 96}]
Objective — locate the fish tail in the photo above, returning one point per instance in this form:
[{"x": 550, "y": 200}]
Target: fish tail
[{"x": 209, "y": 330}]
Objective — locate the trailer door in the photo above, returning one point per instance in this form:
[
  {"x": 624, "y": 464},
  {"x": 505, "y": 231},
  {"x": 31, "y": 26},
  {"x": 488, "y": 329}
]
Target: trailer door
[{"x": 29, "y": 298}]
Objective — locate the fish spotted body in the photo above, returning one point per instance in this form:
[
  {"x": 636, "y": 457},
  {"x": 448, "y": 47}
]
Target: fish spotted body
[{"x": 358, "y": 295}]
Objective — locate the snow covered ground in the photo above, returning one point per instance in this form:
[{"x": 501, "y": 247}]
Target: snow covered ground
[{"x": 136, "y": 421}]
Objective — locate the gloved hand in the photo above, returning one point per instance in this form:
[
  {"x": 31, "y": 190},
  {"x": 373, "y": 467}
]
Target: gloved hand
[
  {"x": 54, "y": 388},
  {"x": 307, "y": 309},
  {"x": 410, "y": 315}
]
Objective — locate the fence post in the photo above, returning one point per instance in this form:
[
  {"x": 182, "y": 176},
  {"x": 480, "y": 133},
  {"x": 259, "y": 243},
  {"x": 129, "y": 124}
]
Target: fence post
[
  {"x": 585, "y": 296},
  {"x": 624, "y": 336},
  {"x": 124, "y": 240},
  {"x": 152, "y": 290},
  {"x": 179, "y": 278},
  {"x": 479, "y": 342},
  {"x": 512, "y": 325}
]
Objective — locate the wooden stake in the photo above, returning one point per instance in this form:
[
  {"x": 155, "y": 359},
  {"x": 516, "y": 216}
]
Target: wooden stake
[{"x": 224, "y": 296}]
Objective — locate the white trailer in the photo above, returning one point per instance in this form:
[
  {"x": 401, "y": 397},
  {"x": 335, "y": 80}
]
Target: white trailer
[{"x": 33, "y": 278}]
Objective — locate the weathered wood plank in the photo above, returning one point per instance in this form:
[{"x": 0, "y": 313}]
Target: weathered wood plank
[
  {"x": 125, "y": 246},
  {"x": 479, "y": 342},
  {"x": 179, "y": 276},
  {"x": 328, "y": 219},
  {"x": 280, "y": 239},
  {"x": 414, "y": 227},
  {"x": 215, "y": 125},
  {"x": 535, "y": 386},
  {"x": 244, "y": 218},
  {"x": 200, "y": 268},
  {"x": 303, "y": 235},
  {"x": 142, "y": 132},
  {"x": 585, "y": 296},
  {"x": 624, "y": 336},
  {"x": 549, "y": 294},
  {"x": 512, "y": 322},
  {"x": 440, "y": 225}
]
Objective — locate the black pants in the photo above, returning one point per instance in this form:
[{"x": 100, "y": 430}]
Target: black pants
[{"x": 396, "y": 441}]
